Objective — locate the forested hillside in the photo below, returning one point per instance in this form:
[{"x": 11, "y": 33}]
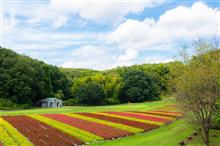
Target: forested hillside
[
  {"x": 122, "y": 84},
  {"x": 23, "y": 81}
]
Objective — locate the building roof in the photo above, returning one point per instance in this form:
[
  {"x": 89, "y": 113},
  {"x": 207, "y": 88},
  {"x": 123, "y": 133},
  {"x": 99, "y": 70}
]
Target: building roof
[{"x": 50, "y": 98}]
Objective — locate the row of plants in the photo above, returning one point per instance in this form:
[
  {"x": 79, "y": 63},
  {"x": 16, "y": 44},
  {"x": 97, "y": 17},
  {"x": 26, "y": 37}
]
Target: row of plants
[
  {"x": 139, "y": 116},
  {"x": 39, "y": 133},
  {"x": 168, "y": 113},
  {"x": 78, "y": 128},
  {"x": 81, "y": 134},
  {"x": 156, "y": 116},
  {"x": 124, "y": 121},
  {"x": 10, "y": 136},
  {"x": 132, "y": 119},
  {"x": 160, "y": 114},
  {"x": 105, "y": 131},
  {"x": 112, "y": 124}
]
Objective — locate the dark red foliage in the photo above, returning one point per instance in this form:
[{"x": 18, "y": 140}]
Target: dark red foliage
[
  {"x": 1, "y": 144},
  {"x": 159, "y": 114},
  {"x": 136, "y": 124},
  {"x": 145, "y": 117},
  {"x": 41, "y": 134},
  {"x": 105, "y": 131}
]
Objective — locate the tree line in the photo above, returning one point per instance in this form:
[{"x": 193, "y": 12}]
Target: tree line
[{"x": 24, "y": 81}]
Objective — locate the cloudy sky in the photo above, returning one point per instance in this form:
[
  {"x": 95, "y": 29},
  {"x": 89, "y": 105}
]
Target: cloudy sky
[{"x": 102, "y": 34}]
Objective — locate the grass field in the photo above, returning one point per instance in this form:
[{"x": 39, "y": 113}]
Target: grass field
[
  {"x": 70, "y": 109},
  {"x": 167, "y": 135}
]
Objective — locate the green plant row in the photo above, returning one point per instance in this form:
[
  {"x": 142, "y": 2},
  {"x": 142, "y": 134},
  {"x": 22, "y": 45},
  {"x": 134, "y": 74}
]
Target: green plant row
[
  {"x": 115, "y": 125},
  {"x": 74, "y": 131},
  {"x": 9, "y": 136}
]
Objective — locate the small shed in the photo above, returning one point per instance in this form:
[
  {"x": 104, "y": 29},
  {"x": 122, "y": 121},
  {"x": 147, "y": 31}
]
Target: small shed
[{"x": 50, "y": 102}]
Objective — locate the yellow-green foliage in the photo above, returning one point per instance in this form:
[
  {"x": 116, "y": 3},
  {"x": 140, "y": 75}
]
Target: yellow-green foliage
[
  {"x": 9, "y": 136},
  {"x": 157, "y": 116},
  {"x": 133, "y": 119},
  {"x": 160, "y": 112},
  {"x": 74, "y": 131},
  {"x": 115, "y": 125}
]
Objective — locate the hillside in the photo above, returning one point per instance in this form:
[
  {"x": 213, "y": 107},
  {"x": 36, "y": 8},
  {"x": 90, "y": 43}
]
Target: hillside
[{"x": 25, "y": 80}]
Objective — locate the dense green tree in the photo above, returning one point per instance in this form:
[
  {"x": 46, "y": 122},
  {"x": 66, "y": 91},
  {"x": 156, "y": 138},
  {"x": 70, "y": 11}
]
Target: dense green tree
[
  {"x": 138, "y": 87},
  {"x": 90, "y": 94},
  {"x": 24, "y": 80}
]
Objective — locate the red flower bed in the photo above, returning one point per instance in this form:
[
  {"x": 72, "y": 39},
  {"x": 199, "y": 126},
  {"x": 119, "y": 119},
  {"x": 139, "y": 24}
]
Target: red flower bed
[
  {"x": 145, "y": 117},
  {"x": 41, "y": 134},
  {"x": 159, "y": 114},
  {"x": 107, "y": 132},
  {"x": 136, "y": 124}
]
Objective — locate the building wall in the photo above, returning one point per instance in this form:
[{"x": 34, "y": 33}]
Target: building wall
[{"x": 51, "y": 103}]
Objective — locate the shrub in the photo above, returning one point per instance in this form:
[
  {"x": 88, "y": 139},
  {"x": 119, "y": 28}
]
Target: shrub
[{"x": 6, "y": 104}]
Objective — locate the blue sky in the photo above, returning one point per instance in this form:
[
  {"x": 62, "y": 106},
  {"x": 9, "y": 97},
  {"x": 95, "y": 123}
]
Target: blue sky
[{"x": 104, "y": 34}]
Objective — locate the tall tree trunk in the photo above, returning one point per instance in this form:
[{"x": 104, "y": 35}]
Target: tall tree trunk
[{"x": 206, "y": 136}]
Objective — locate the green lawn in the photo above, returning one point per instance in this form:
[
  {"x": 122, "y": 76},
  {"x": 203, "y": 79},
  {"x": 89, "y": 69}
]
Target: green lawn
[
  {"x": 167, "y": 135},
  {"x": 70, "y": 109}
]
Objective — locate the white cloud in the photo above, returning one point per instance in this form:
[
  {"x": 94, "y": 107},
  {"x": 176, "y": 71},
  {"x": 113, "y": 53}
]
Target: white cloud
[
  {"x": 60, "y": 21},
  {"x": 157, "y": 59},
  {"x": 89, "y": 56},
  {"x": 179, "y": 24},
  {"x": 103, "y": 11},
  {"x": 123, "y": 46},
  {"x": 129, "y": 55},
  {"x": 29, "y": 39},
  {"x": 56, "y": 13}
]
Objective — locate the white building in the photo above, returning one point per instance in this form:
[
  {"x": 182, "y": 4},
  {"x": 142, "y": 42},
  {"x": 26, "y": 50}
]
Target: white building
[{"x": 50, "y": 102}]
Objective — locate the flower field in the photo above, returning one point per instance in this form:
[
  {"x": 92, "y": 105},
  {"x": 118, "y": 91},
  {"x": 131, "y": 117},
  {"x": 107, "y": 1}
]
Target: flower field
[{"x": 79, "y": 128}]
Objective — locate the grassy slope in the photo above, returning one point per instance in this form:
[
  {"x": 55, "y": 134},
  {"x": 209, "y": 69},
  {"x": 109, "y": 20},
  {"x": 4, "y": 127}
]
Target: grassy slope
[
  {"x": 70, "y": 109},
  {"x": 168, "y": 135}
]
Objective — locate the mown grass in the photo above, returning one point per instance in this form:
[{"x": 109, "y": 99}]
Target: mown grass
[
  {"x": 167, "y": 135},
  {"x": 71, "y": 109}
]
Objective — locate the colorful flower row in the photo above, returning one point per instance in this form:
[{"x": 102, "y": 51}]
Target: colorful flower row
[
  {"x": 136, "y": 124},
  {"x": 112, "y": 124},
  {"x": 159, "y": 114},
  {"x": 168, "y": 111},
  {"x": 83, "y": 135},
  {"x": 105, "y": 131},
  {"x": 132, "y": 119},
  {"x": 139, "y": 116},
  {"x": 79, "y": 128},
  {"x": 39, "y": 133}
]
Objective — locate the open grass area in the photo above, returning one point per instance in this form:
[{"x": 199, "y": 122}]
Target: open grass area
[
  {"x": 70, "y": 109},
  {"x": 167, "y": 135}
]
